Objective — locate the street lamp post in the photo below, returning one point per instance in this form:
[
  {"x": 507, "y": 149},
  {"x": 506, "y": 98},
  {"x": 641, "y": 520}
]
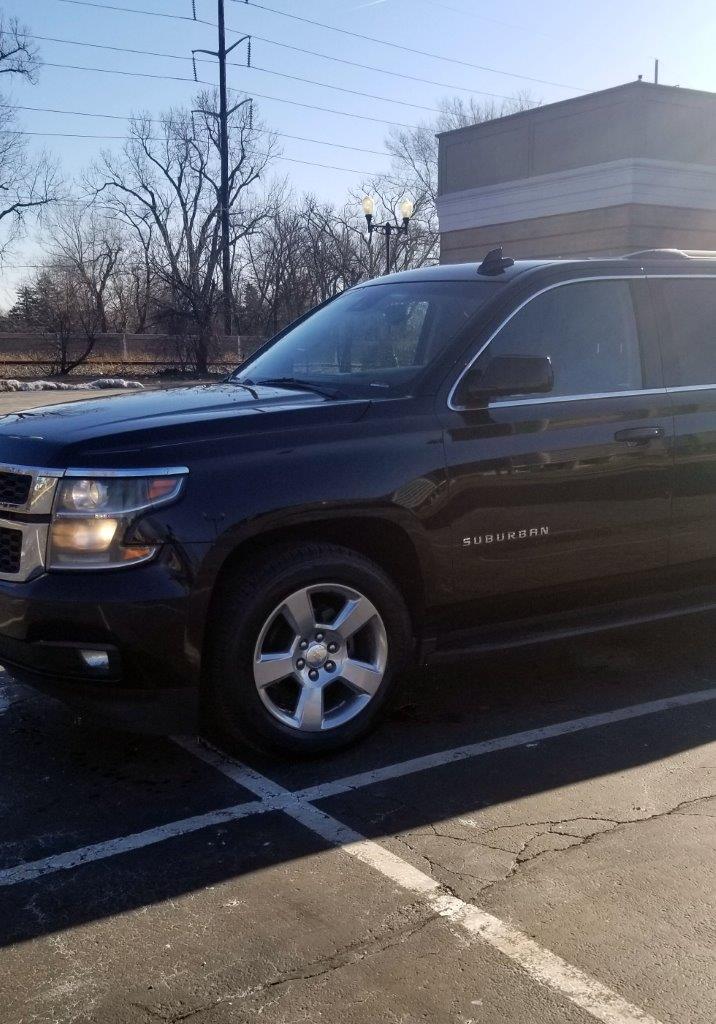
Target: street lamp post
[{"x": 387, "y": 228}]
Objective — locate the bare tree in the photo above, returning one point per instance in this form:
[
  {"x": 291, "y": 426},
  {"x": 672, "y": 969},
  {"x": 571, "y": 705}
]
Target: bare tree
[
  {"x": 57, "y": 305},
  {"x": 133, "y": 283},
  {"x": 168, "y": 176},
  {"x": 73, "y": 298},
  {"x": 89, "y": 245},
  {"x": 269, "y": 269},
  {"x": 18, "y": 54},
  {"x": 28, "y": 182},
  {"x": 337, "y": 253},
  {"x": 302, "y": 254},
  {"x": 305, "y": 252},
  {"x": 414, "y": 173}
]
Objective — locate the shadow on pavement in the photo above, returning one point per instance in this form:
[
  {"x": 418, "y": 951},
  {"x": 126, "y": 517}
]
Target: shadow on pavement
[{"x": 66, "y": 785}]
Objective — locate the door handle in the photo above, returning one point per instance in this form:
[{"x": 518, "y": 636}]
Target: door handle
[{"x": 639, "y": 435}]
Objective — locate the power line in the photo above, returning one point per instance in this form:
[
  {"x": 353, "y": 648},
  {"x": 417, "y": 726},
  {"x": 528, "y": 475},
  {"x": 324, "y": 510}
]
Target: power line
[
  {"x": 382, "y": 71},
  {"x": 122, "y": 49},
  {"x": 289, "y": 159},
  {"x": 251, "y": 67},
  {"x": 263, "y": 131},
  {"x": 201, "y": 81},
  {"x": 297, "y": 49},
  {"x": 135, "y": 10},
  {"x": 340, "y": 88},
  {"x": 406, "y": 49},
  {"x": 127, "y": 74}
]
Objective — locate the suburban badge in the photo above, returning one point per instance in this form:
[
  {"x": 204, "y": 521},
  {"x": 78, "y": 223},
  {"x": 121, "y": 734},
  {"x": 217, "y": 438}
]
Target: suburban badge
[{"x": 505, "y": 536}]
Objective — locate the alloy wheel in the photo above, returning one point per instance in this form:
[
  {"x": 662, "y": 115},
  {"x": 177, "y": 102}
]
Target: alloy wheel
[{"x": 320, "y": 657}]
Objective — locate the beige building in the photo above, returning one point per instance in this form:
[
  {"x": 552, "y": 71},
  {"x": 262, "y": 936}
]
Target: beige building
[{"x": 628, "y": 168}]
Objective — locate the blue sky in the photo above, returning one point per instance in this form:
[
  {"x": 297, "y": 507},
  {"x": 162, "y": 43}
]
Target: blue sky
[{"x": 578, "y": 44}]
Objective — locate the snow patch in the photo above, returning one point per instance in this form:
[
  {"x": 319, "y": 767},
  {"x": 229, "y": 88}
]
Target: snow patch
[{"x": 55, "y": 385}]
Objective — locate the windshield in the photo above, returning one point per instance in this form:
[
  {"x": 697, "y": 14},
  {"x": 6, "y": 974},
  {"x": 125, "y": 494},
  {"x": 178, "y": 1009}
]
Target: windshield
[{"x": 372, "y": 339}]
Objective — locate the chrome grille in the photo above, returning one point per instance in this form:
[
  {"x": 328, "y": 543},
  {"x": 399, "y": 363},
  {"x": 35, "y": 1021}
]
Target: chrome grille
[
  {"x": 10, "y": 550},
  {"x": 15, "y": 488},
  {"x": 26, "y": 497}
]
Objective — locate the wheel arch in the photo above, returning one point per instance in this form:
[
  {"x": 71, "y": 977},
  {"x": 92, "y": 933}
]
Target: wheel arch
[{"x": 382, "y": 540}]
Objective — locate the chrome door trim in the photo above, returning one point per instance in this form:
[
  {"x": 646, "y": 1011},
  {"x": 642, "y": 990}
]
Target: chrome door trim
[
  {"x": 547, "y": 288},
  {"x": 577, "y": 398}
]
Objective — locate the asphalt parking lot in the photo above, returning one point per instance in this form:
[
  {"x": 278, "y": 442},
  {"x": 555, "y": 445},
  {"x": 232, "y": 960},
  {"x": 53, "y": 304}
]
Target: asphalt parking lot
[{"x": 529, "y": 837}]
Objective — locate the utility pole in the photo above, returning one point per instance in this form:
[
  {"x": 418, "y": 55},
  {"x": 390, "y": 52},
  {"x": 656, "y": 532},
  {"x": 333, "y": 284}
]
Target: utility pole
[
  {"x": 223, "y": 118},
  {"x": 224, "y": 199}
]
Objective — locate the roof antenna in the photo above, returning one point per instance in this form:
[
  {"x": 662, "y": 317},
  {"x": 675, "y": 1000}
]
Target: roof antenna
[{"x": 495, "y": 262}]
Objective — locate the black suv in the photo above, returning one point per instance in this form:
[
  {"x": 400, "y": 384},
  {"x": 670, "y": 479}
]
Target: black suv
[{"x": 456, "y": 458}]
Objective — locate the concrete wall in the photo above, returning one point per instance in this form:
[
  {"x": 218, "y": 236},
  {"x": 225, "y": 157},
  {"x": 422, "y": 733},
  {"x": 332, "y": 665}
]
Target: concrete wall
[
  {"x": 629, "y": 167},
  {"x": 27, "y": 355}
]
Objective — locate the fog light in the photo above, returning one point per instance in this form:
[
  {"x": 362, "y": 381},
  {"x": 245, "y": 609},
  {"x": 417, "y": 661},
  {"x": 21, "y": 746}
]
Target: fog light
[{"x": 97, "y": 660}]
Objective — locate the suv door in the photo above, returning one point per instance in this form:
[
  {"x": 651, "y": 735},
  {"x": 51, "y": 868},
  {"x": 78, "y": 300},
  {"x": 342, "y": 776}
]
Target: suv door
[
  {"x": 572, "y": 485},
  {"x": 686, "y": 310}
]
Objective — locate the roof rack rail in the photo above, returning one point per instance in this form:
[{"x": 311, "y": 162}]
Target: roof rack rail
[
  {"x": 671, "y": 254},
  {"x": 495, "y": 262},
  {"x": 700, "y": 254}
]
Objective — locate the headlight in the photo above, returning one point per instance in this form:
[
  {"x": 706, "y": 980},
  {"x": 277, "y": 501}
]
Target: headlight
[{"x": 92, "y": 516}]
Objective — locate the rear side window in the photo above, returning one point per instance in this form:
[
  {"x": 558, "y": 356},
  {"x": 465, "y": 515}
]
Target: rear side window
[
  {"x": 688, "y": 316},
  {"x": 589, "y": 332}
]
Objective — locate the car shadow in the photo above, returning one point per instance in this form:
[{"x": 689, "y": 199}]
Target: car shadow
[{"x": 67, "y": 784}]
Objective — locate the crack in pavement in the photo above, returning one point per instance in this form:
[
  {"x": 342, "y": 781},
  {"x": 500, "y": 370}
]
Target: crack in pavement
[
  {"x": 369, "y": 945},
  {"x": 526, "y": 852}
]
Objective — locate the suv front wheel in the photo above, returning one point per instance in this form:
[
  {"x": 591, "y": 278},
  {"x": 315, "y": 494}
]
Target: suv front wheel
[{"x": 306, "y": 650}]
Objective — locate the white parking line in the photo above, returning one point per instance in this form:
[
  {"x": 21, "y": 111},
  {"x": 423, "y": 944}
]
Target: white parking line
[
  {"x": 125, "y": 844},
  {"x": 515, "y": 739},
  {"x": 539, "y": 963},
  {"x": 276, "y": 798}
]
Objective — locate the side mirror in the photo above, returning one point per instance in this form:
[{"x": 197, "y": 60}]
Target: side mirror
[{"x": 506, "y": 375}]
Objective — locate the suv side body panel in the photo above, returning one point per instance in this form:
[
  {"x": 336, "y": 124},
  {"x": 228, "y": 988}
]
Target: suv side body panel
[
  {"x": 688, "y": 337},
  {"x": 387, "y": 466},
  {"x": 544, "y": 493}
]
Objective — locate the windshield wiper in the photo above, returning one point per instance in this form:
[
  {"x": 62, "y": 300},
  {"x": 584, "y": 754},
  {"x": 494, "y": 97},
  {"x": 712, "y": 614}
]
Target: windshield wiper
[
  {"x": 299, "y": 385},
  {"x": 242, "y": 384}
]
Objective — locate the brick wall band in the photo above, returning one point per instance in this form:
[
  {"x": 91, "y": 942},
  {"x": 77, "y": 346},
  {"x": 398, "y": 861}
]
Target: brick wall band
[{"x": 590, "y": 233}]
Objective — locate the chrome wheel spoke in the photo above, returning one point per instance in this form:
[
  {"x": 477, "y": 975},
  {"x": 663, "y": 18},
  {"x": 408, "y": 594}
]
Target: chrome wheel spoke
[
  {"x": 361, "y": 676},
  {"x": 298, "y": 611},
  {"x": 296, "y": 684},
  {"x": 271, "y": 668},
  {"x": 309, "y": 710},
  {"x": 354, "y": 615}
]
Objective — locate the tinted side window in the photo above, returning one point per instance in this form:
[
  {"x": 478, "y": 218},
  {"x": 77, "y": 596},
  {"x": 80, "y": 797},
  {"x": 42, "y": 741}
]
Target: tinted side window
[
  {"x": 588, "y": 330},
  {"x": 689, "y": 320}
]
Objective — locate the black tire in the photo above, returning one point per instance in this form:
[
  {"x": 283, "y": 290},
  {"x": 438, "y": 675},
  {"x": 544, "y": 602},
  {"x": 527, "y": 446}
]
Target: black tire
[{"x": 234, "y": 712}]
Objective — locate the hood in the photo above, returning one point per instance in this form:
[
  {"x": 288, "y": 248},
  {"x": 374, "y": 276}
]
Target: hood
[{"x": 119, "y": 427}]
